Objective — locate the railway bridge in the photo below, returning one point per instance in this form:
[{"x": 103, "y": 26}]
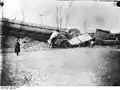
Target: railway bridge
[{"x": 23, "y": 29}]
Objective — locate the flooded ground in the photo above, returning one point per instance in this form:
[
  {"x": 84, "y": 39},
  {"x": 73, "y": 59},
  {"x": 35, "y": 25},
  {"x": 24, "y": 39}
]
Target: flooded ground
[
  {"x": 77, "y": 67},
  {"x": 39, "y": 65}
]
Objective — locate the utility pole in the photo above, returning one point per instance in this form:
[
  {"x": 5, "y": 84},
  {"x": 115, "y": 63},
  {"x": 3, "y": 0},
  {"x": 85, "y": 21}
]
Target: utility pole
[
  {"x": 57, "y": 17},
  {"x": 67, "y": 16},
  {"x": 23, "y": 16},
  {"x": 22, "y": 13},
  {"x": 85, "y": 25},
  {"x": 60, "y": 16},
  {"x": 41, "y": 15}
]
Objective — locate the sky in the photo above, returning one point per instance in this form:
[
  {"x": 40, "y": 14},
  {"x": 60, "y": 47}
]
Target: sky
[{"x": 86, "y": 15}]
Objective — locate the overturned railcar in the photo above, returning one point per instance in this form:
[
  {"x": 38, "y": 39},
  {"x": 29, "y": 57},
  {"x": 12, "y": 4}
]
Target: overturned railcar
[{"x": 62, "y": 41}]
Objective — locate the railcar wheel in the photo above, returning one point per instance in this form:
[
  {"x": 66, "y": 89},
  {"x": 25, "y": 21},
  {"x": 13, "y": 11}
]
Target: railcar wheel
[{"x": 64, "y": 44}]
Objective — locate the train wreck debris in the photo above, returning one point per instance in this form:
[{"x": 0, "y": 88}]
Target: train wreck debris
[
  {"x": 58, "y": 37},
  {"x": 103, "y": 37},
  {"x": 81, "y": 40},
  {"x": 66, "y": 40},
  {"x": 70, "y": 39}
]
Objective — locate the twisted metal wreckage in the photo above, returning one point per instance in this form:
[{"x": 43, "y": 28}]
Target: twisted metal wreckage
[{"x": 65, "y": 39}]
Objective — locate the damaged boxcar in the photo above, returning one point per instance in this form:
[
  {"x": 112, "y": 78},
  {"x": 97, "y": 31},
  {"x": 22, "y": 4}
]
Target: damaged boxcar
[{"x": 104, "y": 37}]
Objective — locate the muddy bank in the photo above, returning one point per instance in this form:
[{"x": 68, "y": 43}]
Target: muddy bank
[{"x": 26, "y": 44}]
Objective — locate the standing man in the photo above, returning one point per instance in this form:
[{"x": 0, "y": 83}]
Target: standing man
[{"x": 17, "y": 46}]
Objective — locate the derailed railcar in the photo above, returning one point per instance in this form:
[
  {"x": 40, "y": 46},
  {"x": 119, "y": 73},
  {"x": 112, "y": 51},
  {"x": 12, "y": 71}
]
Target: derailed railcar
[
  {"x": 60, "y": 41},
  {"x": 82, "y": 40},
  {"x": 64, "y": 40},
  {"x": 104, "y": 37}
]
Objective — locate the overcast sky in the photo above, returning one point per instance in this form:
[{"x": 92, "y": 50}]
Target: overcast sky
[{"x": 86, "y": 14}]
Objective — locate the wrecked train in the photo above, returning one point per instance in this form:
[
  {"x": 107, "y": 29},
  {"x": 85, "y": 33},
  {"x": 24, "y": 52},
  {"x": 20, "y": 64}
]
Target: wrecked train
[{"x": 68, "y": 40}]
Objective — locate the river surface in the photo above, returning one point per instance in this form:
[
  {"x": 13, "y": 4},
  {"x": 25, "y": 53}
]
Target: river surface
[{"x": 66, "y": 67}]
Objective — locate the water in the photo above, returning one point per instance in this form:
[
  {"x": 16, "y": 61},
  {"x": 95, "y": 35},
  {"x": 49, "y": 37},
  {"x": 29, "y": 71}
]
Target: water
[{"x": 78, "y": 66}]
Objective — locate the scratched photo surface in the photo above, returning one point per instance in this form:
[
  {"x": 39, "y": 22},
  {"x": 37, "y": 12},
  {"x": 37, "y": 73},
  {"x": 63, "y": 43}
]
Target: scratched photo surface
[{"x": 59, "y": 43}]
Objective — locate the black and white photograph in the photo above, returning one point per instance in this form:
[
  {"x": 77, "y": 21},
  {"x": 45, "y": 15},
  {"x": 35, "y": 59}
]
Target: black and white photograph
[{"x": 59, "y": 43}]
